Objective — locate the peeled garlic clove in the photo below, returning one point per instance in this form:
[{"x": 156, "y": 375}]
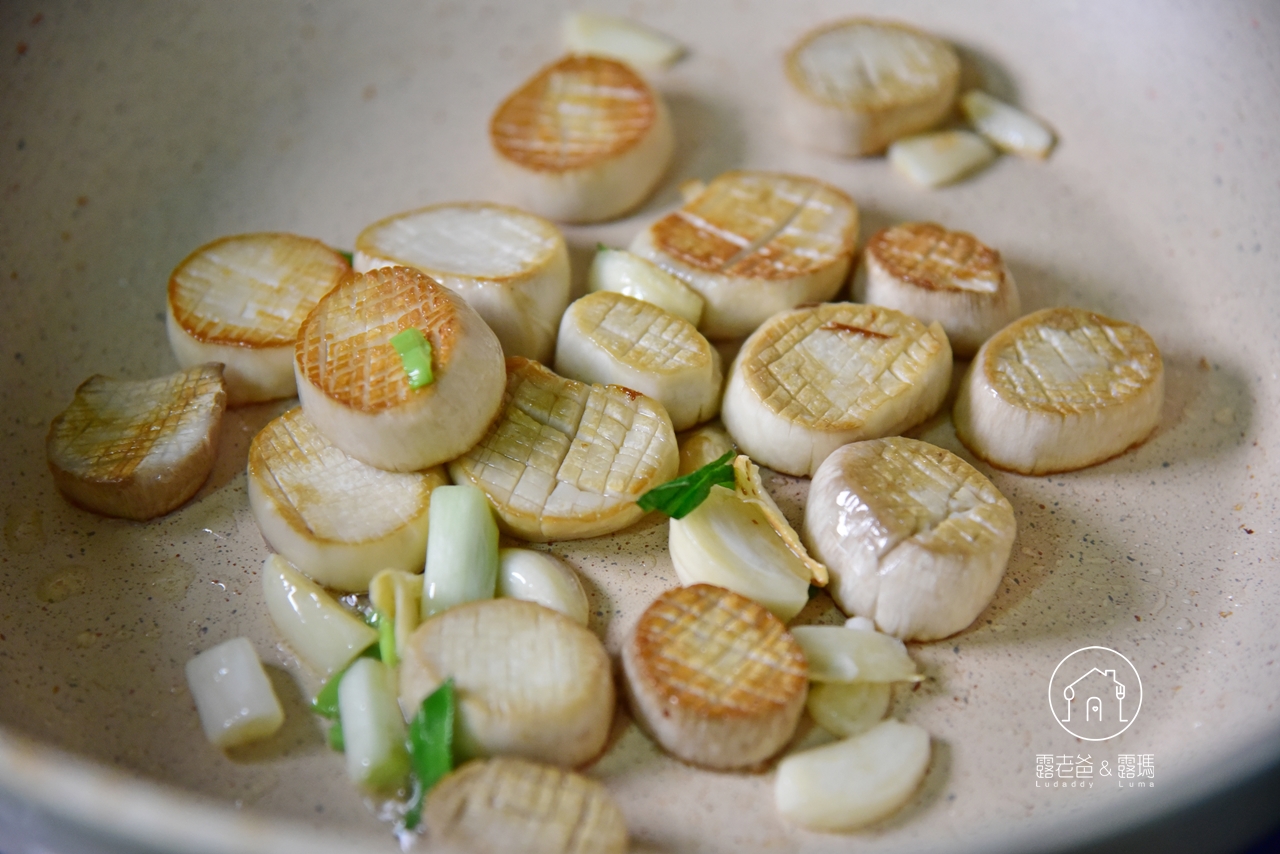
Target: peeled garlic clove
[
  {"x": 335, "y": 518},
  {"x": 639, "y": 278},
  {"x": 848, "y": 708},
  {"x": 241, "y": 301},
  {"x": 543, "y": 578},
  {"x": 851, "y": 783},
  {"x": 1008, "y": 128},
  {"x": 352, "y": 382},
  {"x": 138, "y": 449},
  {"x": 933, "y": 274},
  {"x": 738, "y": 539},
  {"x": 609, "y": 338},
  {"x": 567, "y": 460},
  {"x": 706, "y": 444},
  {"x": 510, "y": 804},
  {"x": 585, "y": 139},
  {"x": 915, "y": 537},
  {"x": 750, "y": 488},
  {"x": 935, "y": 159},
  {"x": 840, "y": 654},
  {"x": 857, "y": 85},
  {"x": 1058, "y": 390},
  {"x": 753, "y": 244},
  {"x": 321, "y": 632},
  {"x": 729, "y": 543},
  {"x": 813, "y": 379},
  {"x": 510, "y": 266},
  {"x": 619, "y": 38}
]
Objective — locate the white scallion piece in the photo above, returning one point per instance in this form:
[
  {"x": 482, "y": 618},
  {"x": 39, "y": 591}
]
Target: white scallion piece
[
  {"x": 397, "y": 595},
  {"x": 639, "y": 278},
  {"x": 840, "y": 654},
  {"x": 373, "y": 729},
  {"x": 934, "y": 159},
  {"x": 619, "y": 38},
  {"x": 324, "y": 634},
  {"x": 462, "y": 549},
  {"x": 851, "y": 783},
  {"x": 543, "y": 578},
  {"x": 848, "y": 708},
  {"x": 1008, "y": 128},
  {"x": 233, "y": 694}
]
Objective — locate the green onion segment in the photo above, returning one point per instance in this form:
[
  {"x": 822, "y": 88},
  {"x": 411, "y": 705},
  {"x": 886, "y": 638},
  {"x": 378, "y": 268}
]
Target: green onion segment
[
  {"x": 415, "y": 355},
  {"x": 430, "y": 746},
  {"x": 387, "y": 640},
  {"x": 678, "y": 498}
]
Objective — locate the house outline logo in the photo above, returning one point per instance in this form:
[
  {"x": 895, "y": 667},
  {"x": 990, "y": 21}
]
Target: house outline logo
[{"x": 1095, "y": 693}]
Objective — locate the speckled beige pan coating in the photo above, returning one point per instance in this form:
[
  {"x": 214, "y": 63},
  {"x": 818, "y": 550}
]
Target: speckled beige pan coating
[{"x": 136, "y": 132}]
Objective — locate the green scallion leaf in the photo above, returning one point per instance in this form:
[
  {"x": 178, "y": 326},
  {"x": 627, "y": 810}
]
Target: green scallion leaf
[
  {"x": 325, "y": 703},
  {"x": 430, "y": 746},
  {"x": 600, "y": 247},
  {"x": 387, "y": 640},
  {"x": 335, "y": 738},
  {"x": 350, "y": 256},
  {"x": 678, "y": 498},
  {"x": 415, "y": 355}
]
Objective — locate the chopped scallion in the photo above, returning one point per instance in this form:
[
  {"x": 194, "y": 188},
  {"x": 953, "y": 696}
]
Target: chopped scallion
[
  {"x": 415, "y": 355},
  {"x": 387, "y": 640},
  {"x": 678, "y": 498},
  {"x": 325, "y": 703},
  {"x": 336, "y": 742},
  {"x": 430, "y": 746}
]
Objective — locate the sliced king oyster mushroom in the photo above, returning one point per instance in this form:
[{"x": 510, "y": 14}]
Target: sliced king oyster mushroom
[
  {"x": 1060, "y": 389},
  {"x": 585, "y": 139},
  {"x": 567, "y": 460},
  {"x": 753, "y": 244},
  {"x": 510, "y": 266},
  {"x": 813, "y": 379},
  {"x": 931, "y": 273},
  {"x": 353, "y": 385},
  {"x": 241, "y": 301},
  {"x": 914, "y": 537},
  {"x": 138, "y": 449},
  {"x": 607, "y": 337},
  {"x": 857, "y": 85},
  {"x": 714, "y": 677},
  {"x": 337, "y": 519},
  {"x": 529, "y": 680},
  {"x": 510, "y": 804}
]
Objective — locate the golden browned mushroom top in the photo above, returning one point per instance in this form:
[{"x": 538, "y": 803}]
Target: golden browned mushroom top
[
  {"x": 574, "y": 113},
  {"x": 344, "y": 348},
  {"x": 717, "y": 653}
]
